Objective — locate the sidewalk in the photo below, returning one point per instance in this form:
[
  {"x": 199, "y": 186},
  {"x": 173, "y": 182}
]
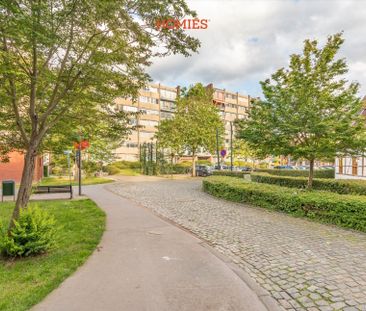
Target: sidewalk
[{"x": 145, "y": 263}]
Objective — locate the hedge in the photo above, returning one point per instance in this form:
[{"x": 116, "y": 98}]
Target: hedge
[
  {"x": 340, "y": 186},
  {"x": 298, "y": 173},
  {"x": 230, "y": 173},
  {"x": 343, "y": 210}
]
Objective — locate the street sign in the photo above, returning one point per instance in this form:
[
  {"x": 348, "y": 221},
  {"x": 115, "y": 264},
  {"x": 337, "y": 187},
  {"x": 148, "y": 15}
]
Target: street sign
[{"x": 223, "y": 153}]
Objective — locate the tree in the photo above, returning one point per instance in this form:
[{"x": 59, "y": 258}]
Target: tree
[
  {"x": 310, "y": 111},
  {"x": 194, "y": 124},
  {"x": 56, "y": 56},
  {"x": 242, "y": 150}
]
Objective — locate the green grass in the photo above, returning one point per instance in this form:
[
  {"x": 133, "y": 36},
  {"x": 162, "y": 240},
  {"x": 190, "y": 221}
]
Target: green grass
[
  {"x": 51, "y": 181},
  {"x": 25, "y": 282},
  {"x": 129, "y": 172}
]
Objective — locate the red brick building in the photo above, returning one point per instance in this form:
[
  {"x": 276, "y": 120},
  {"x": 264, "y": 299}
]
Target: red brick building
[{"x": 13, "y": 169}]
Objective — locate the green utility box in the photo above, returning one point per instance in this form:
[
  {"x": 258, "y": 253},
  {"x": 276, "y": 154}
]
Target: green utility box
[{"x": 8, "y": 189}]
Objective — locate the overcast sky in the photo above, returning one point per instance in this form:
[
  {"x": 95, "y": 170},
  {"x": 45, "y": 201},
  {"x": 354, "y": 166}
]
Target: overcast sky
[{"x": 247, "y": 40}]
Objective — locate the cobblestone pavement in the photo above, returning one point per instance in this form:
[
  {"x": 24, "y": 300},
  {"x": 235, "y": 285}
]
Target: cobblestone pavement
[{"x": 304, "y": 265}]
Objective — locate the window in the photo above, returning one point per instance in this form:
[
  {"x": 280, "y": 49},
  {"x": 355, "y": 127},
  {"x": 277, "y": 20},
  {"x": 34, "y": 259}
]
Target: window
[
  {"x": 166, "y": 115},
  {"x": 146, "y": 135},
  {"x": 148, "y": 100},
  {"x": 165, "y": 105},
  {"x": 168, "y": 94},
  {"x": 129, "y": 108},
  {"x": 149, "y": 123},
  {"x": 150, "y": 112},
  {"x": 231, "y": 96},
  {"x": 130, "y": 144},
  {"x": 354, "y": 166},
  {"x": 219, "y": 95},
  {"x": 340, "y": 166}
]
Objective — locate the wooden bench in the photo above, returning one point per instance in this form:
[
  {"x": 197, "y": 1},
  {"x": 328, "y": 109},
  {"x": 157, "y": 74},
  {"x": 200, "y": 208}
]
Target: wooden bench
[{"x": 53, "y": 189}]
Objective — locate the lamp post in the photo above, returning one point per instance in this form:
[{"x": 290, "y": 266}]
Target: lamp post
[
  {"x": 231, "y": 145},
  {"x": 217, "y": 149},
  {"x": 79, "y": 164},
  {"x": 67, "y": 153}
]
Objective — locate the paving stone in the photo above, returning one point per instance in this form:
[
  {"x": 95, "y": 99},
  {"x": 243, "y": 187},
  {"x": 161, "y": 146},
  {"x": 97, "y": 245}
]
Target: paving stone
[{"x": 309, "y": 262}]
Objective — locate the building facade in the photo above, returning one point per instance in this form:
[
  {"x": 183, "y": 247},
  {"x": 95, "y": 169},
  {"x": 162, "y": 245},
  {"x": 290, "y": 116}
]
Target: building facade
[
  {"x": 13, "y": 169},
  {"x": 157, "y": 102},
  {"x": 352, "y": 167}
]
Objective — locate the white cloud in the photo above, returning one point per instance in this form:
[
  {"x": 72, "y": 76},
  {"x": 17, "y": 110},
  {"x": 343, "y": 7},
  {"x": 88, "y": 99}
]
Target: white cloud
[{"x": 248, "y": 40}]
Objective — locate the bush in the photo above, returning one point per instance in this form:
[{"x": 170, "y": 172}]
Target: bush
[
  {"x": 203, "y": 162},
  {"x": 33, "y": 233},
  {"x": 298, "y": 173},
  {"x": 343, "y": 210},
  {"x": 179, "y": 168},
  {"x": 112, "y": 170},
  {"x": 230, "y": 173},
  {"x": 340, "y": 186}
]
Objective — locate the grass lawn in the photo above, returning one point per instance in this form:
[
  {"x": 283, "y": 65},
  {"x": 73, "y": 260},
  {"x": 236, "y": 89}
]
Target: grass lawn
[
  {"x": 129, "y": 172},
  {"x": 25, "y": 282},
  {"x": 51, "y": 181}
]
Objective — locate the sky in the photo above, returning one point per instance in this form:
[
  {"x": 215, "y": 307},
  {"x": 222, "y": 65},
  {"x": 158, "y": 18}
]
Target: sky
[{"x": 248, "y": 40}]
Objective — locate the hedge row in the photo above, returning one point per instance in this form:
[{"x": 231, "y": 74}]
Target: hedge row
[
  {"x": 230, "y": 173},
  {"x": 340, "y": 186},
  {"x": 342, "y": 210},
  {"x": 298, "y": 173}
]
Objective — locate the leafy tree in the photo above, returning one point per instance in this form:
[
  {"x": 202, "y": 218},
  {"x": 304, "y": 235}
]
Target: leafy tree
[
  {"x": 194, "y": 124},
  {"x": 310, "y": 111},
  {"x": 58, "y": 56},
  {"x": 169, "y": 137},
  {"x": 242, "y": 150}
]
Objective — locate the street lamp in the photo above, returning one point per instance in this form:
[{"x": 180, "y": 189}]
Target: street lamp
[{"x": 67, "y": 153}]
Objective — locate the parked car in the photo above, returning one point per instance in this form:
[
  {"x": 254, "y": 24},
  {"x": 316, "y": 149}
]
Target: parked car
[
  {"x": 283, "y": 167},
  {"x": 203, "y": 170},
  {"x": 245, "y": 168}
]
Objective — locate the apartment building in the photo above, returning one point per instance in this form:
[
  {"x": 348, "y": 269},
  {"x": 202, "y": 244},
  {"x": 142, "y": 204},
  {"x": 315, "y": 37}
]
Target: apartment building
[{"x": 157, "y": 102}]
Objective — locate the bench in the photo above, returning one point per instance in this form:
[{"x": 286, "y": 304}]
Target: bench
[{"x": 53, "y": 189}]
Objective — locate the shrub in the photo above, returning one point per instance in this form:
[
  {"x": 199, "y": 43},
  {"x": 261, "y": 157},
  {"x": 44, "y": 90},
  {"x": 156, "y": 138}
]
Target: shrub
[
  {"x": 298, "y": 173},
  {"x": 340, "y": 186},
  {"x": 179, "y": 168},
  {"x": 343, "y": 210},
  {"x": 230, "y": 173},
  {"x": 203, "y": 162},
  {"x": 33, "y": 233},
  {"x": 112, "y": 170}
]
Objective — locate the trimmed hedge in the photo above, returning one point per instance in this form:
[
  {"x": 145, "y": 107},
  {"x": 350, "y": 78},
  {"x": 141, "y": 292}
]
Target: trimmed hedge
[
  {"x": 298, "y": 173},
  {"x": 230, "y": 173},
  {"x": 342, "y": 210},
  {"x": 340, "y": 186}
]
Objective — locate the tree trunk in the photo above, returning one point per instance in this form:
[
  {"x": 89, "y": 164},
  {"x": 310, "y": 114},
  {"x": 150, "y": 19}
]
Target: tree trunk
[
  {"x": 311, "y": 174},
  {"x": 193, "y": 165},
  {"x": 25, "y": 184}
]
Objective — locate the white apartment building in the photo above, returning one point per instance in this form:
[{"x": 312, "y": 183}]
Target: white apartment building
[{"x": 157, "y": 102}]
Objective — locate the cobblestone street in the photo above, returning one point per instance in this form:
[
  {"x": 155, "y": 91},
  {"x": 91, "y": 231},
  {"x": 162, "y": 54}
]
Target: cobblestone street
[{"x": 304, "y": 265}]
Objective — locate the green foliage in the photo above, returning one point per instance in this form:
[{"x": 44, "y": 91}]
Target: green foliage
[
  {"x": 31, "y": 279},
  {"x": 343, "y": 210},
  {"x": 194, "y": 124},
  {"x": 178, "y": 168},
  {"x": 340, "y": 186},
  {"x": 119, "y": 167},
  {"x": 63, "y": 64},
  {"x": 203, "y": 162},
  {"x": 33, "y": 233},
  {"x": 229, "y": 173},
  {"x": 310, "y": 110},
  {"x": 298, "y": 173},
  {"x": 91, "y": 167}
]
